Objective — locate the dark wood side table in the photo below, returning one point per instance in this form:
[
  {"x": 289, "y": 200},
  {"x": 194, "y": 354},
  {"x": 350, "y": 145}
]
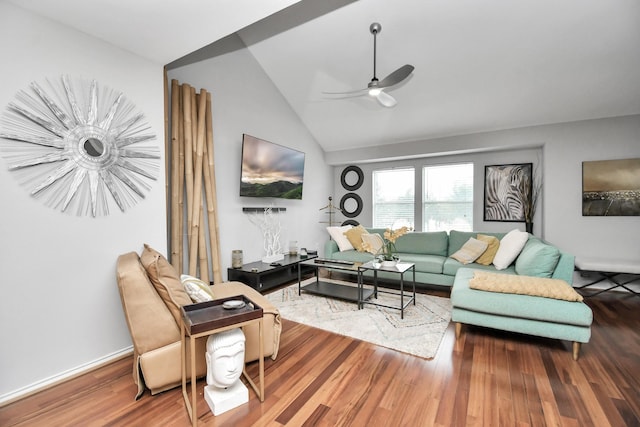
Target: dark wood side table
[
  {"x": 207, "y": 318},
  {"x": 263, "y": 276}
]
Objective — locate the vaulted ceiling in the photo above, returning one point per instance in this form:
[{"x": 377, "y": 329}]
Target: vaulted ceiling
[{"x": 480, "y": 65}]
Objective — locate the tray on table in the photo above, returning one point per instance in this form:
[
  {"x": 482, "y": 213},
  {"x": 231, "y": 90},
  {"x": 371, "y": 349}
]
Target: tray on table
[{"x": 209, "y": 315}]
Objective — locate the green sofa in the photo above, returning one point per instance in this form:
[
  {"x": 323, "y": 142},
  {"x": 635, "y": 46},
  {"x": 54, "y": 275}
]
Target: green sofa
[
  {"x": 431, "y": 251},
  {"x": 532, "y": 315}
]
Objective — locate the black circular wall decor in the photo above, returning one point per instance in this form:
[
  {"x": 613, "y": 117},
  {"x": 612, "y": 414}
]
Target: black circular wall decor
[
  {"x": 358, "y": 183},
  {"x": 351, "y": 222},
  {"x": 356, "y": 211}
]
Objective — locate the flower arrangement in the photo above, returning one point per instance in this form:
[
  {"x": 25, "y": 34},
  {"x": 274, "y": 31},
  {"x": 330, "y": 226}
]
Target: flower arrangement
[{"x": 389, "y": 242}]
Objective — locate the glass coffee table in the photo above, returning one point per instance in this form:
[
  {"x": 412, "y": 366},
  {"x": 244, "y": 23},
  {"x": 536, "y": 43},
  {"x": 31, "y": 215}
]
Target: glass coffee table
[
  {"x": 355, "y": 294},
  {"x": 400, "y": 268}
]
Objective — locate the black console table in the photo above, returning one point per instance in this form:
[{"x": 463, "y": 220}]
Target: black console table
[{"x": 262, "y": 276}]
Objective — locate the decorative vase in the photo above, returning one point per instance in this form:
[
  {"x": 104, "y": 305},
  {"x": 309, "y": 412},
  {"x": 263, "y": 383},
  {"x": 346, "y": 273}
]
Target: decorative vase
[
  {"x": 528, "y": 226},
  {"x": 391, "y": 263}
]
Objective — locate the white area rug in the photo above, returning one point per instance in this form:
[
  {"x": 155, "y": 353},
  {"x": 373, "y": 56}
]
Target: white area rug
[{"x": 419, "y": 333}]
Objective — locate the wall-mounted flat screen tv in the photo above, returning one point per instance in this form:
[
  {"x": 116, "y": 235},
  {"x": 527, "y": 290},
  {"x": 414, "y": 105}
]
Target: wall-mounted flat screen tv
[{"x": 270, "y": 170}]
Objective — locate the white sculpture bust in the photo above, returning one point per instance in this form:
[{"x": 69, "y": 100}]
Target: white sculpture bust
[{"x": 225, "y": 357}]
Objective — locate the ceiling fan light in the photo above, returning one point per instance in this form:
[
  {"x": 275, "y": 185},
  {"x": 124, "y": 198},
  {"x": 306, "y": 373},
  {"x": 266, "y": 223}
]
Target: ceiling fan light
[{"x": 374, "y": 91}]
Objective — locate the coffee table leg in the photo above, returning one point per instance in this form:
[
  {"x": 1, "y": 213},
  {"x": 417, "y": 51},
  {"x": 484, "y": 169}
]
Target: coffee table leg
[
  {"x": 402, "y": 295},
  {"x": 414, "y": 285},
  {"x": 375, "y": 284},
  {"x": 360, "y": 290}
]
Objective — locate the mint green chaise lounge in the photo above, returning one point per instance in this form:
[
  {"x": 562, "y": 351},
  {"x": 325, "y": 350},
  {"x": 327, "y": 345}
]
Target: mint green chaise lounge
[{"x": 526, "y": 314}]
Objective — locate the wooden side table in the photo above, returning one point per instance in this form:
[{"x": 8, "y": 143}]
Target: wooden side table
[{"x": 208, "y": 318}]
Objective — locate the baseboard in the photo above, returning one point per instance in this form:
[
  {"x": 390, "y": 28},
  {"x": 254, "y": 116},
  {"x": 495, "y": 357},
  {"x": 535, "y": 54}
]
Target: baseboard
[{"x": 54, "y": 380}]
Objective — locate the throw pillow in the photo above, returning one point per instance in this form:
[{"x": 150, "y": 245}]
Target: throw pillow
[
  {"x": 537, "y": 259},
  {"x": 470, "y": 251},
  {"x": 372, "y": 243},
  {"x": 510, "y": 246},
  {"x": 524, "y": 285},
  {"x": 198, "y": 290},
  {"x": 337, "y": 234},
  {"x": 354, "y": 235},
  {"x": 166, "y": 281},
  {"x": 492, "y": 247}
]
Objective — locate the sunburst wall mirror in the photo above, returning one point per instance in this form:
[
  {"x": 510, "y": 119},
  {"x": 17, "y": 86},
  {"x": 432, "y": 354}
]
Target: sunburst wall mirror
[{"x": 79, "y": 147}]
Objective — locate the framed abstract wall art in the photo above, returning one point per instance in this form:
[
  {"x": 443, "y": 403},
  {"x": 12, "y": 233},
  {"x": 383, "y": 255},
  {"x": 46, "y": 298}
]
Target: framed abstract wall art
[
  {"x": 611, "y": 187},
  {"x": 505, "y": 191}
]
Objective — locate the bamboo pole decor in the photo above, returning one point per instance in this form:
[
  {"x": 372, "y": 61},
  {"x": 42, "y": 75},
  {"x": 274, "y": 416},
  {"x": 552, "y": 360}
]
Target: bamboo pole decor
[
  {"x": 194, "y": 242},
  {"x": 175, "y": 173}
]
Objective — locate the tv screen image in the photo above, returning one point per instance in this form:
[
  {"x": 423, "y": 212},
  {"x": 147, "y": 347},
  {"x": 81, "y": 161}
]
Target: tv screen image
[{"x": 270, "y": 170}]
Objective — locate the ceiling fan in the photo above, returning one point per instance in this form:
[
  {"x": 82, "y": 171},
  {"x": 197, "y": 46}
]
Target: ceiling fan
[{"x": 376, "y": 87}]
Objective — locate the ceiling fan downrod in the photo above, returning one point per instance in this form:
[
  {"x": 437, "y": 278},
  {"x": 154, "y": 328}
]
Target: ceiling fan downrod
[{"x": 374, "y": 28}]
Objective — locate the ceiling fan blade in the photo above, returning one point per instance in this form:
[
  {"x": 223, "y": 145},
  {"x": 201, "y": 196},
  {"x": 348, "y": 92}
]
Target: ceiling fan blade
[
  {"x": 397, "y": 76},
  {"x": 351, "y": 92},
  {"x": 386, "y": 100}
]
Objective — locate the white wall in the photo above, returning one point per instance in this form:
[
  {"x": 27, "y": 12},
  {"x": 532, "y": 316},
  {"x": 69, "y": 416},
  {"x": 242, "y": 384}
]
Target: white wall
[
  {"x": 479, "y": 160},
  {"x": 244, "y": 100},
  {"x": 60, "y": 309},
  {"x": 564, "y": 147}
]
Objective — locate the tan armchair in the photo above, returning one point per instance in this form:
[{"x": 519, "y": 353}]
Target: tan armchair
[{"x": 151, "y": 294}]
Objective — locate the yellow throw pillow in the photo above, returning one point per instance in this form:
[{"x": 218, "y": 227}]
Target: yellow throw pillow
[
  {"x": 372, "y": 243},
  {"x": 470, "y": 251},
  {"x": 492, "y": 247},
  {"x": 354, "y": 235}
]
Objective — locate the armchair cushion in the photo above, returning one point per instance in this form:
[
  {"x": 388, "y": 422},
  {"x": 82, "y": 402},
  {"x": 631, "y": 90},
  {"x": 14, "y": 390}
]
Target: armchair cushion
[{"x": 166, "y": 281}]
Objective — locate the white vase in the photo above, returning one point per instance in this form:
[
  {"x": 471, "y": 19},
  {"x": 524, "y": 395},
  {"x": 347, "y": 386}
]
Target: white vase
[{"x": 389, "y": 263}]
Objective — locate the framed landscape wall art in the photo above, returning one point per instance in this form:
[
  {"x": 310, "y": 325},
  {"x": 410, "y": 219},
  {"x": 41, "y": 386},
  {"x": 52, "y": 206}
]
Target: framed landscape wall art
[
  {"x": 611, "y": 188},
  {"x": 505, "y": 190}
]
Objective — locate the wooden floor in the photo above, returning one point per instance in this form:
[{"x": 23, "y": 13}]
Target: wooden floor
[{"x": 486, "y": 378}]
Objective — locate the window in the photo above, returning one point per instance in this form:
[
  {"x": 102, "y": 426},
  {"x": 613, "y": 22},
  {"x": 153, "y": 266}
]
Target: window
[
  {"x": 448, "y": 197},
  {"x": 393, "y": 197}
]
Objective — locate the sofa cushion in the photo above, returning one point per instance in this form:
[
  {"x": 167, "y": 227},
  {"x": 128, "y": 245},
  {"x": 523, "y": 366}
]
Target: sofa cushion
[
  {"x": 510, "y": 247},
  {"x": 337, "y": 234},
  {"x": 428, "y": 243},
  {"x": 470, "y": 251},
  {"x": 353, "y": 256},
  {"x": 424, "y": 263},
  {"x": 537, "y": 259},
  {"x": 451, "y": 267},
  {"x": 166, "y": 281},
  {"x": 493, "y": 243},
  {"x": 354, "y": 235}
]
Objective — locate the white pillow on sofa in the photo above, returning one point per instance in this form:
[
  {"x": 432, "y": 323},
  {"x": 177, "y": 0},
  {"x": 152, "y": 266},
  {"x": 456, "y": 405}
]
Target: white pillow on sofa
[
  {"x": 198, "y": 290},
  {"x": 510, "y": 247},
  {"x": 337, "y": 234}
]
